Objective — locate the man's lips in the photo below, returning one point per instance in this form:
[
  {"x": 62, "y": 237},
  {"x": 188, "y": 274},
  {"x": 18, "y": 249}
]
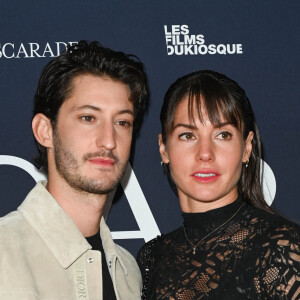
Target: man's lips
[
  {"x": 206, "y": 176},
  {"x": 102, "y": 161}
]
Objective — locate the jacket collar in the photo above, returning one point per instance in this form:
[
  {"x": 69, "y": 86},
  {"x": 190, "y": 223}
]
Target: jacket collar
[{"x": 58, "y": 231}]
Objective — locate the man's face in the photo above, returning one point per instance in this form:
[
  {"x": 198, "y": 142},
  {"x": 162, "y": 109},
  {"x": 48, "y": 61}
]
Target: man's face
[{"x": 92, "y": 137}]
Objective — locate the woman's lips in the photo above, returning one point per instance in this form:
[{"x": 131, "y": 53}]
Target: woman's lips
[
  {"x": 206, "y": 176},
  {"x": 102, "y": 161}
]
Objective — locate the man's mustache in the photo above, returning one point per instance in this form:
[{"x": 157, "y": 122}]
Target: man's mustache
[{"x": 102, "y": 154}]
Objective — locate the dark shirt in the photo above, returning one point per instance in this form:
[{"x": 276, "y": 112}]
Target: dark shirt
[
  {"x": 254, "y": 255},
  {"x": 108, "y": 289}
]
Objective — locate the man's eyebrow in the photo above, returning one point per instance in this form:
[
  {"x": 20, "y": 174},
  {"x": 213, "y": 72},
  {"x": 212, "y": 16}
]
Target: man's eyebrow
[
  {"x": 87, "y": 107},
  {"x": 95, "y": 108},
  {"x": 126, "y": 111}
]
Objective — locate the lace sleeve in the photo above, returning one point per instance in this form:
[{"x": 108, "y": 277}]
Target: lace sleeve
[
  {"x": 278, "y": 268},
  {"x": 146, "y": 261}
]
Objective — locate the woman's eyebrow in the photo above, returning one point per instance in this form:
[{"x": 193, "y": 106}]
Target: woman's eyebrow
[
  {"x": 223, "y": 124},
  {"x": 188, "y": 126}
]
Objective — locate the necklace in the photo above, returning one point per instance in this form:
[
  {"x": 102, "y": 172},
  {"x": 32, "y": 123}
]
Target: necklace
[{"x": 195, "y": 246}]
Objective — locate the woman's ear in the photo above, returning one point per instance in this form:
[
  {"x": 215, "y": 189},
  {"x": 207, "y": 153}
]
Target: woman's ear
[
  {"x": 162, "y": 150},
  {"x": 42, "y": 130},
  {"x": 248, "y": 147}
]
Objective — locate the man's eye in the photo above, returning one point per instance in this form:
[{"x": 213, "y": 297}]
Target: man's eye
[
  {"x": 186, "y": 136},
  {"x": 124, "y": 123},
  {"x": 87, "y": 118},
  {"x": 225, "y": 135}
]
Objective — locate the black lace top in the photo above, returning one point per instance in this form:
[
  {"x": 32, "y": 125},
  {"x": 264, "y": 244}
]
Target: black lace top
[{"x": 256, "y": 255}]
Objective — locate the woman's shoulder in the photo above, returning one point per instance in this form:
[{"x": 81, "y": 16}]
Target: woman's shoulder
[
  {"x": 147, "y": 250},
  {"x": 273, "y": 223},
  {"x": 272, "y": 232},
  {"x": 153, "y": 247},
  {"x": 156, "y": 244},
  {"x": 276, "y": 250}
]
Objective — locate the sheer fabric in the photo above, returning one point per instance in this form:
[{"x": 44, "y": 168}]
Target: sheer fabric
[{"x": 256, "y": 255}]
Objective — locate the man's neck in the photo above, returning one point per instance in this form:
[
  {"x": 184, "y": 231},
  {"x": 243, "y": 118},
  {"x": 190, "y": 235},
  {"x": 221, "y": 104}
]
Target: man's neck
[{"x": 84, "y": 209}]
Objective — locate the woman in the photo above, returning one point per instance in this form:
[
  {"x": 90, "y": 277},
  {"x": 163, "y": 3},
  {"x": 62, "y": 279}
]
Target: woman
[{"x": 231, "y": 244}]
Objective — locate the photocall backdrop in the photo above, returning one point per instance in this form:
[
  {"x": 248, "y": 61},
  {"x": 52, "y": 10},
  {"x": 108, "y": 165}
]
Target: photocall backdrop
[{"x": 254, "y": 42}]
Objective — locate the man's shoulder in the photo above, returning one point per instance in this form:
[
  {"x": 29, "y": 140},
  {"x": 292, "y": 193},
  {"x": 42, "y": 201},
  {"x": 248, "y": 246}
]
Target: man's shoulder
[
  {"x": 11, "y": 222},
  {"x": 13, "y": 232},
  {"x": 127, "y": 258},
  {"x": 131, "y": 269},
  {"x": 112, "y": 248}
]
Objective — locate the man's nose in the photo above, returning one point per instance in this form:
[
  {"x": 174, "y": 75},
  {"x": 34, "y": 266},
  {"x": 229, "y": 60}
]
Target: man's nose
[{"x": 106, "y": 137}]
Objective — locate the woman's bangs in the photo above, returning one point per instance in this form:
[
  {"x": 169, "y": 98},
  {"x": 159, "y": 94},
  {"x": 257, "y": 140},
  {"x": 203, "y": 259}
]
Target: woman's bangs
[{"x": 216, "y": 104}]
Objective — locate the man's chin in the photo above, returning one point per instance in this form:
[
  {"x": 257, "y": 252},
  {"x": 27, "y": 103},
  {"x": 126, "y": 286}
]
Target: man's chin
[{"x": 92, "y": 186}]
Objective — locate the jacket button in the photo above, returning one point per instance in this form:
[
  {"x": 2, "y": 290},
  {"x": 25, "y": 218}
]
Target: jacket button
[{"x": 90, "y": 260}]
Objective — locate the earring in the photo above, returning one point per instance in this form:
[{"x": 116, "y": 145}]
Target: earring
[
  {"x": 161, "y": 163},
  {"x": 246, "y": 163}
]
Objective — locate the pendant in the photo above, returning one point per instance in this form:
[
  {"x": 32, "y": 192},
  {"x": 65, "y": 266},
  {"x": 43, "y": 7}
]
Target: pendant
[{"x": 194, "y": 250}]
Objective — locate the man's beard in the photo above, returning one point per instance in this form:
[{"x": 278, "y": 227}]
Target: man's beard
[{"x": 69, "y": 167}]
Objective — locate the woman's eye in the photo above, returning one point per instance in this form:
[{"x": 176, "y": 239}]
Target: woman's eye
[
  {"x": 225, "y": 135},
  {"x": 87, "y": 118},
  {"x": 186, "y": 136}
]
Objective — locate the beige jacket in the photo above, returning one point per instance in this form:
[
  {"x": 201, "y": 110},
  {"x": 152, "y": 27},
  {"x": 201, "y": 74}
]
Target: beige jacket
[{"x": 44, "y": 256}]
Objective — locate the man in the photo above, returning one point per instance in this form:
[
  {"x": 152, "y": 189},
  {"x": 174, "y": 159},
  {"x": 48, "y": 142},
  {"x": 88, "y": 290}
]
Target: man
[{"x": 87, "y": 103}]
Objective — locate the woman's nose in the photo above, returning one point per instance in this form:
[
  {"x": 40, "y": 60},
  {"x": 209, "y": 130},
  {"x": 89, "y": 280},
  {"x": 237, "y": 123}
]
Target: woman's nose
[{"x": 205, "y": 151}]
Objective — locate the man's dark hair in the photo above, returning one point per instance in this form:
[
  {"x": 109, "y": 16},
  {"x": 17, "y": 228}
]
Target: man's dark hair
[{"x": 55, "y": 84}]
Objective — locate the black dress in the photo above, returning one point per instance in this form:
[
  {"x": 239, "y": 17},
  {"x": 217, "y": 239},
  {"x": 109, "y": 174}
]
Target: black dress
[{"x": 256, "y": 255}]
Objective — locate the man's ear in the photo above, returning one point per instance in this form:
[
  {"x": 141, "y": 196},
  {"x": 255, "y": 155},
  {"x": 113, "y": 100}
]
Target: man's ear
[
  {"x": 42, "y": 130},
  {"x": 248, "y": 147},
  {"x": 162, "y": 150}
]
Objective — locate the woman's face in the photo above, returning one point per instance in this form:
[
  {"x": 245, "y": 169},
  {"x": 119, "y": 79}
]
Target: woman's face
[{"x": 205, "y": 161}]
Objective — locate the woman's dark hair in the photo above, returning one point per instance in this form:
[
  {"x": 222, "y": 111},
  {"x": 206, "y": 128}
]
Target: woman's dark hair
[
  {"x": 222, "y": 99},
  {"x": 55, "y": 84}
]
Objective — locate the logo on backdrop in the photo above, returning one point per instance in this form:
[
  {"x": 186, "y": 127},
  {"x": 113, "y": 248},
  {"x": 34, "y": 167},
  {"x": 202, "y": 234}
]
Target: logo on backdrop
[
  {"x": 179, "y": 41},
  {"x": 33, "y": 50}
]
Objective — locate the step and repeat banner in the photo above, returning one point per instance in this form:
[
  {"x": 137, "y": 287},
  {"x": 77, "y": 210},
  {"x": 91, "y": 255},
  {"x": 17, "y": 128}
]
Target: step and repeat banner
[{"x": 254, "y": 42}]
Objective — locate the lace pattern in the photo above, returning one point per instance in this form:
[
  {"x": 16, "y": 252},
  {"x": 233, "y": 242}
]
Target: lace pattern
[{"x": 256, "y": 256}]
